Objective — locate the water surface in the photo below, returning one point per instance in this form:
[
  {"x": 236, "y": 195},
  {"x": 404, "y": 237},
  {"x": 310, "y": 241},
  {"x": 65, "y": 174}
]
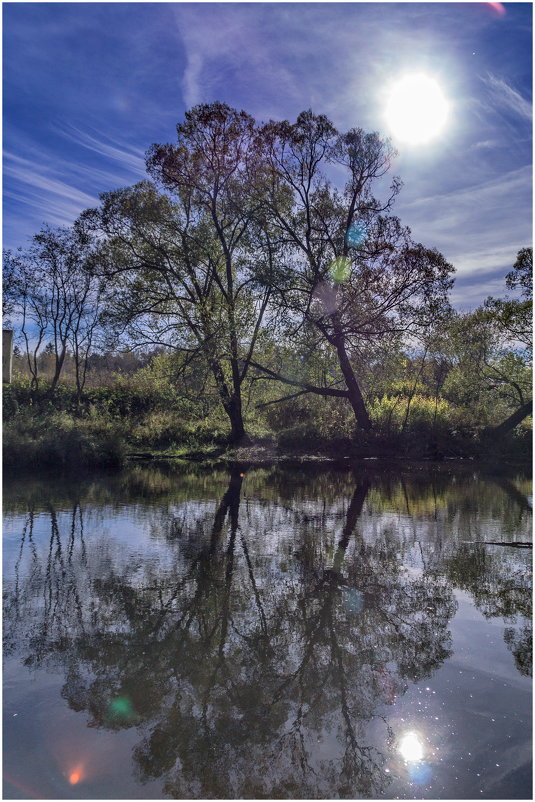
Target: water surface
[{"x": 268, "y": 633}]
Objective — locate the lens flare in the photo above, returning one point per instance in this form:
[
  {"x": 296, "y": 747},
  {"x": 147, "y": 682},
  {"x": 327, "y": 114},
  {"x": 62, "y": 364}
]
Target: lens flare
[
  {"x": 76, "y": 775},
  {"x": 356, "y": 234},
  {"x": 121, "y": 711},
  {"x": 419, "y": 773},
  {"x": 325, "y": 294},
  {"x": 340, "y": 269}
]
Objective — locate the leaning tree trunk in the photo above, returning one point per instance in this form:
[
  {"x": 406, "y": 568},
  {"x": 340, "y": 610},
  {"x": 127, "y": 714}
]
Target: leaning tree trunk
[
  {"x": 353, "y": 390},
  {"x": 512, "y": 421}
]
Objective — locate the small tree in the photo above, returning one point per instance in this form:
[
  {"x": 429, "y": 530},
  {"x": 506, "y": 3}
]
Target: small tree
[
  {"x": 55, "y": 296},
  {"x": 25, "y": 298}
]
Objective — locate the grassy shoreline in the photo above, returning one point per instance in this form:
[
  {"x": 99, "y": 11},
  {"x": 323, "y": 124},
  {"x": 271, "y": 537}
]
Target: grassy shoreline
[
  {"x": 112, "y": 428},
  {"x": 77, "y": 452}
]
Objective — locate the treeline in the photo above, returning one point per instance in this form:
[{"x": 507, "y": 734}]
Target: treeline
[{"x": 266, "y": 290}]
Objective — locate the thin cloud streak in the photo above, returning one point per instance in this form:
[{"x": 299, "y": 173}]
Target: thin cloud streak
[
  {"x": 508, "y": 97},
  {"x": 473, "y": 241},
  {"x": 40, "y": 184},
  {"x": 131, "y": 158},
  {"x": 481, "y": 247},
  {"x": 468, "y": 296},
  {"x": 58, "y": 193}
]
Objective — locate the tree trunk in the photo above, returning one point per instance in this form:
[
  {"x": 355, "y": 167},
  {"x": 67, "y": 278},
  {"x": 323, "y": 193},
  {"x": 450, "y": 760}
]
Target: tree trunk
[
  {"x": 60, "y": 358},
  {"x": 233, "y": 408},
  {"x": 353, "y": 390},
  {"x": 354, "y": 512},
  {"x": 512, "y": 421},
  {"x": 231, "y": 405}
]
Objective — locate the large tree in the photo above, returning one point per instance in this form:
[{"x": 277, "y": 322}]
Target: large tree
[
  {"x": 193, "y": 253},
  {"x": 355, "y": 276}
]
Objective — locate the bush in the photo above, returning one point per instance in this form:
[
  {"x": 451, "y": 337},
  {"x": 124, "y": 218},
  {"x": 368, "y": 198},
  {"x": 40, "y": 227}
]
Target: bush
[
  {"x": 391, "y": 414},
  {"x": 57, "y": 442},
  {"x": 300, "y": 435}
]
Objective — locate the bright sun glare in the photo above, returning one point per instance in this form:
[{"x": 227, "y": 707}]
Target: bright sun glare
[
  {"x": 416, "y": 109},
  {"x": 411, "y": 748}
]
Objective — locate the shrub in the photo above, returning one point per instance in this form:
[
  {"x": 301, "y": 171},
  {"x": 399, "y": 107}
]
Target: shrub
[{"x": 58, "y": 442}]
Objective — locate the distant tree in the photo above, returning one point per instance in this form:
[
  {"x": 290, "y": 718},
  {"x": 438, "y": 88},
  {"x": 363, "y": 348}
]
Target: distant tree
[
  {"x": 24, "y": 296},
  {"x": 513, "y": 317},
  {"x": 54, "y": 295}
]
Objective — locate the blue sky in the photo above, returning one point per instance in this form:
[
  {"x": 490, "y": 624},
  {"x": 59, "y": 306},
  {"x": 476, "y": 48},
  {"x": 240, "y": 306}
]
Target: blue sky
[{"x": 88, "y": 87}]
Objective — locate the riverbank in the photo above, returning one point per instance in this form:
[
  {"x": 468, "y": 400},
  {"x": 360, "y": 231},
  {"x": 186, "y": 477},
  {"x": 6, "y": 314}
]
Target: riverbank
[
  {"x": 80, "y": 450},
  {"x": 54, "y": 434}
]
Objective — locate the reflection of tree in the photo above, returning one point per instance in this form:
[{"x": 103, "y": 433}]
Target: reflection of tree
[
  {"x": 253, "y": 665},
  {"x": 499, "y": 580}
]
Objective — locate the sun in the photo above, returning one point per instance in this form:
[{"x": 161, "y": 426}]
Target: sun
[{"x": 416, "y": 109}]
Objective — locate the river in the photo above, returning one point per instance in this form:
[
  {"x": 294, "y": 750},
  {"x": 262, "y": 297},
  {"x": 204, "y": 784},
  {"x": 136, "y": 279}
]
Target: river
[{"x": 269, "y": 632}]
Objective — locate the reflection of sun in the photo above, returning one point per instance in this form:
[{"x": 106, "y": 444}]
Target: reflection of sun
[
  {"x": 416, "y": 109},
  {"x": 411, "y": 748}
]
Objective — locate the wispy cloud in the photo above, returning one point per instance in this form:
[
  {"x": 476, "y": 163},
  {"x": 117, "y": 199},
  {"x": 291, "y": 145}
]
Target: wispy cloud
[
  {"x": 485, "y": 144},
  {"x": 469, "y": 295},
  {"x": 117, "y": 152},
  {"x": 241, "y": 51},
  {"x": 39, "y": 187},
  {"x": 479, "y": 228},
  {"x": 508, "y": 97},
  {"x": 42, "y": 191}
]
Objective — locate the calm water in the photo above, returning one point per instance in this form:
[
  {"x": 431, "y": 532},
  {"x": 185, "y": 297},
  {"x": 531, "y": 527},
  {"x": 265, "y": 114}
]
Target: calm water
[{"x": 268, "y": 633}]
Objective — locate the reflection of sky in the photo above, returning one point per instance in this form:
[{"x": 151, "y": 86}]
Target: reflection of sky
[{"x": 472, "y": 717}]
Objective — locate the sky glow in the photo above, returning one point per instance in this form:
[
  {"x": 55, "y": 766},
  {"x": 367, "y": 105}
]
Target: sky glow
[{"x": 88, "y": 87}]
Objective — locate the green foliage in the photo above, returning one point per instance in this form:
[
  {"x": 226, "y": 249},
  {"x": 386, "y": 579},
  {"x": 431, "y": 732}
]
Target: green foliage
[
  {"x": 394, "y": 414},
  {"x": 313, "y": 415},
  {"x": 57, "y": 442}
]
